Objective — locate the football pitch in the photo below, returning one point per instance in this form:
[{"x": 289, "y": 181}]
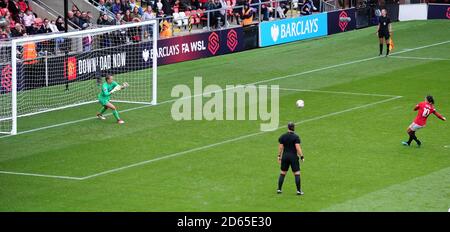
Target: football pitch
[{"x": 357, "y": 109}]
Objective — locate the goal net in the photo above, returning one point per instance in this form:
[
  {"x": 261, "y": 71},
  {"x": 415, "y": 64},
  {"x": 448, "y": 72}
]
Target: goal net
[{"x": 57, "y": 71}]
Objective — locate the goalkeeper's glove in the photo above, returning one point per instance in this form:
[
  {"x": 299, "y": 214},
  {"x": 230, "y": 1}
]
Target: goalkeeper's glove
[{"x": 117, "y": 88}]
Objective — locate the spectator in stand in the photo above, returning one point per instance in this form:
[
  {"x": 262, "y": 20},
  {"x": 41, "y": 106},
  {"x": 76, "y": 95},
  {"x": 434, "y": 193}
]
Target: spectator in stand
[
  {"x": 159, "y": 6},
  {"x": 166, "y": 7},
  {"x": 102, "y": 6},
  {"x": 136, "y": 13},
  {"x": 71, "y": 16},
  {"x": 119, "y": 37},
  {"x": 52, "y": 26},
  {"x": 195, "y": 4},
  {"x": 148, "y": 14},
  {"x": 132, "y": 4},
  {"x": 87, "y": 40},
  {"x": 60, "y": 23},
  {"x": 305, "y": 9},
  {"x": 127, "y": 17},
  {"x": 185, "y": 5},
  {"x": 109, "y": 4},
  {"x": 202, "y": 3},
  {"x": 237, "y": 11},
  {"x": 220, "y": 13},
  {"x": 89, "y": 17},
  {"x": 84, "y": 21},
  {"x": 209, "y": 6},
  {"x": 28, "y": 20},
  {"x": 124, "y": 6},
  {"x": 118, "y": 19},
  {"x": 3, "y": 10},
  {"x": 23, "y": 6},
  {"x": 265, "y": 11},
  {"x": 278, "y": 9},
  {"x": 46, "y": 26},
  {"x": 61, "y": 44},
  {"x": 38, "y": 27},
  {"x": 13, "y": 8},
  {"x": 18, "y": 31},
  {"x": 78, "y": 16},
  {"x": 5, "y": 32},
  {"x": 247, "y": 15},
  {"x": 166, "y": 31},
  {"x": 9, "y": 19},
  {"x": 117, "y": 7},
  {"x": 75, "y": 9},
  {"x": 135, "y": 32},
  {"x": 104, "y": 20}
]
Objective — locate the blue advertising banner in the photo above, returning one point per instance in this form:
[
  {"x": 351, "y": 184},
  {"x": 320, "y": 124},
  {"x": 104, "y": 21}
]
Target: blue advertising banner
[{"x": 293, "y": 29}]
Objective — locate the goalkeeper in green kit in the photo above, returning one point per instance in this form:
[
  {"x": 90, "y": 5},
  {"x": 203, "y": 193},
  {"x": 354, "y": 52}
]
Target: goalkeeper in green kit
[{"x": 108, "y": 88}]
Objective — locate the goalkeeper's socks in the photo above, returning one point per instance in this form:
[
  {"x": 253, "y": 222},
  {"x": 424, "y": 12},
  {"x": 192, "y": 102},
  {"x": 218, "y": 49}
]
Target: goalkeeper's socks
[
  {"x": 116, "y": 114},
  {"x": 103, "y": 110}
]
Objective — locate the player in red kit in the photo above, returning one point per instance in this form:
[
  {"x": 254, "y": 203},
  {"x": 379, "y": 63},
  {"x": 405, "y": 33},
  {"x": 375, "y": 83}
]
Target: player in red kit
[{"x": 424, "y": 109}]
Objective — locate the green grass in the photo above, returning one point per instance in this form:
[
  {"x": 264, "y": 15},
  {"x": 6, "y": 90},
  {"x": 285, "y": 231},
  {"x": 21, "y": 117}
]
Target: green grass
[{"x": 354, "y": 160}]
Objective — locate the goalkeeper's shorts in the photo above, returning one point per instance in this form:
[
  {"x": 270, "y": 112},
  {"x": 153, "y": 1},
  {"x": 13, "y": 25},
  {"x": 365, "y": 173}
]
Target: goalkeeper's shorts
[{"x": 103, "y": 101}]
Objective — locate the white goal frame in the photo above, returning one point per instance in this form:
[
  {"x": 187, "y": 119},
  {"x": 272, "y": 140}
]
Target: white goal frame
[{"x": 19, "y": 41}]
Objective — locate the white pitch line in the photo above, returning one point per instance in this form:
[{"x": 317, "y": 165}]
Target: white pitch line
[
  {"x": 420, "y": 58},
  {"x": 41, "y": 175},
  {"x": 234, "y": 139},
  {"x": 447, "y": 146},
  {"x": 338, "y": 92},
  {"x": 254, "y": 83}
]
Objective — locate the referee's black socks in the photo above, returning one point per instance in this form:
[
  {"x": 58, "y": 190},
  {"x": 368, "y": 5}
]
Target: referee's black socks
[
  {"x": 297, "y": 182},
  {"x": 387, "y": 47},
  {"x": 381, "y": 49},
  {"x": 280, "y": 181}
]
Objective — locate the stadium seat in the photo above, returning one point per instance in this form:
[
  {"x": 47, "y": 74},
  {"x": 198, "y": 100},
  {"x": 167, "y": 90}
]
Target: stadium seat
[
  {"x": 184, "y": 18},
  {"x": 177, "y": 20}
]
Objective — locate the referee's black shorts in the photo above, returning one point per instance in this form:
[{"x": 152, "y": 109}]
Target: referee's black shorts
[
  {"x": 290, "y": 160},
  {"x": 384, "y": 34}
]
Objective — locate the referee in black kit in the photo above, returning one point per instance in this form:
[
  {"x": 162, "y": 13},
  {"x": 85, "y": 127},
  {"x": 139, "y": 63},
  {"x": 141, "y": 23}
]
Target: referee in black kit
[
  {"x": 289, "y": 151},
  {"x": 384, "y": 31}
]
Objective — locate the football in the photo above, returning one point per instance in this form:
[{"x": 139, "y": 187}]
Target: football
[{"x": 300, "y": 103}]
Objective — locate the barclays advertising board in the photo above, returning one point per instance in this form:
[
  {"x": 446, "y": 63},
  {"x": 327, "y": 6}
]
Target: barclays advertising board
[{"x": 292, "y": 29}]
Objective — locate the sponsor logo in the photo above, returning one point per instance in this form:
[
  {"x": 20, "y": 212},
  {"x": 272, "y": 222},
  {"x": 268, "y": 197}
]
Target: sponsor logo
[
  {"x": 102, "y": 63},
  {"x": 213, "y": 43},
  {"x": 448, "y": 13},
  {"x": 292, "y": 29},
  {"x": 146, "y": 55},
  {"x": 6, "y": 81},
  {"x": 274, "y": 32},
  {"x": 343, "y": 20},
  {"x": 70, "y": 68},
  {"x": 232, "y": 40}
]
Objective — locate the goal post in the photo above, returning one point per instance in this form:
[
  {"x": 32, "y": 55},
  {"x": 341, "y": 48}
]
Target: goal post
[{"x": 58, "y": 71}]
